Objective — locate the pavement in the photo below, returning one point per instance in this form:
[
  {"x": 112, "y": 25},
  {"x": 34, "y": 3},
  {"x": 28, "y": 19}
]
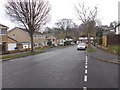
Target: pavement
[
  {"x": 61, "y": 68},
  {"x": 100, "y": 54}
]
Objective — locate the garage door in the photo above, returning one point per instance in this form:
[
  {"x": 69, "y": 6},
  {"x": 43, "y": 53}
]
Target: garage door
[{"x": 11, "y": 46}]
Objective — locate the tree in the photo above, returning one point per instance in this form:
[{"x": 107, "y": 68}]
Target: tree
[
  {"x": 65, "y": 24},
  {"x": 32, "y": 14},
  {"x": 88, "y": 18},
  {"x": 113, "y": 24}
]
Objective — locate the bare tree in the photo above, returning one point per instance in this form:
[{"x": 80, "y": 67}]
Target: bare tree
[
  {"x": 88, "y": 18},
  {"x": 65, "y": 24},
  {"x": 32, "y": 14}
]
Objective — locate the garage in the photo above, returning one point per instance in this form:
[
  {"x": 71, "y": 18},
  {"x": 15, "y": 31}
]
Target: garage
[{"x": 11, "y": 46}]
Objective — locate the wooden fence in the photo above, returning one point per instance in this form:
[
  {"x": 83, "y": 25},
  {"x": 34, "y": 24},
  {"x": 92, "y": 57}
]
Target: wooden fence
[{"x": 111, "y": 40}]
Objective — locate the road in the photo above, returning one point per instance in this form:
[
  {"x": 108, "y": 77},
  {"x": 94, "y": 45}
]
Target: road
[{"x": 61, "y": 68}]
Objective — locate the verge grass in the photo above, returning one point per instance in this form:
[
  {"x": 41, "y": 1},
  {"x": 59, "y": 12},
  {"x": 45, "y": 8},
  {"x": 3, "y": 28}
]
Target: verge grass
[{"x": 21, "y": 54}]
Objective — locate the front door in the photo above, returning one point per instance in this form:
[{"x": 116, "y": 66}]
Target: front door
[{"x": 4, "y": 46}]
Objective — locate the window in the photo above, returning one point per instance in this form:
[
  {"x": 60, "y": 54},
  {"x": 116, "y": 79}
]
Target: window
[
  {"x": 40, "y": 36},
  {"x": 2, "y": 31},
  {"x": 14, "y": 35},
  {"x": 35, "y": 36}
]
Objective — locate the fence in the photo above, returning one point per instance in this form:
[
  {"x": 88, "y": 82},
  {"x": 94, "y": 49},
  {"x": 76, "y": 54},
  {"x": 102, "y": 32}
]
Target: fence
[{"x": 111, "y": 40}]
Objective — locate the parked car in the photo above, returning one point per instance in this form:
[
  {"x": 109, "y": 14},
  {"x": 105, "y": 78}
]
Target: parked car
[
  {"x": 61, "y": 43},
  {"x": 81, "y": 46}
]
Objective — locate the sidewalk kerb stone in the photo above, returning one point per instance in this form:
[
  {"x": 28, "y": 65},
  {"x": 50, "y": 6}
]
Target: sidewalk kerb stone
[{"x": 110, "y": 61}]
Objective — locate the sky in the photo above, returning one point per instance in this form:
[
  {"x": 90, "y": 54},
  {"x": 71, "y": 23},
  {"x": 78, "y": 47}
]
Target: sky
[{"x": 108, "y": 11}]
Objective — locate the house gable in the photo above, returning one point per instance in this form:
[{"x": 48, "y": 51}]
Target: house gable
[
  {"x": 19, "y": 35},
  {"x": 11, "y": 40}
]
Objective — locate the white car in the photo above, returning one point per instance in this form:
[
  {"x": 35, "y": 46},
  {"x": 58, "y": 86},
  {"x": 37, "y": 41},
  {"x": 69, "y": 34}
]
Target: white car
[
  {"x": 81, "y": 46},
  {"x": 61, "y": 43}
]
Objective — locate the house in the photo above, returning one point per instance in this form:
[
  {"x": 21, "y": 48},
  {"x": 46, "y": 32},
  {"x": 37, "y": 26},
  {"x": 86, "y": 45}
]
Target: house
[
  {"x": 3, "y": 38},
  {"x": 69, "y": 38},
  {"x": 84, "y": 39},
  {"x": 52, "y": 39},
  {"x": 112, "y": 37},
  {"x": 23, "y": 39},
  {"x": 6, "y": 43},
  {"x": 12, "y": 43},
  {"x": 118, "y": 29}
]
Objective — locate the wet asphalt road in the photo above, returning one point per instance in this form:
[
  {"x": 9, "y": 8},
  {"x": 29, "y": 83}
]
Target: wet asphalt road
[{"x": 62, "y": 68}]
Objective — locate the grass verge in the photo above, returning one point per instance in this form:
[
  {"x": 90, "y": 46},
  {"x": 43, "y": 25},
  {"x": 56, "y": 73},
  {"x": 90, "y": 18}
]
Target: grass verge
[
  {"x": 21, "y": 54},
  {"x": 114, "y": 47},
  {"x": 90, "y": 49}
]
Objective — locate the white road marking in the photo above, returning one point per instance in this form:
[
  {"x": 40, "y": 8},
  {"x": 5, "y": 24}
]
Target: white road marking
[
  {"x": 86, "y": 71},
  {"x": 84, "y": 88},
  {"x": 11, "y": 60},
  {"x": 85, "y": 78},
  {"x": 86, "y": 66},
  {"x": 86, "y": 63},
  {"x": 86, "y": 57}
]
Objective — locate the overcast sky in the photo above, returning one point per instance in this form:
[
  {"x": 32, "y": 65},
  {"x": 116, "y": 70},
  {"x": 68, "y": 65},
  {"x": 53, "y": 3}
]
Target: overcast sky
[{"x": 108, "y": 11}]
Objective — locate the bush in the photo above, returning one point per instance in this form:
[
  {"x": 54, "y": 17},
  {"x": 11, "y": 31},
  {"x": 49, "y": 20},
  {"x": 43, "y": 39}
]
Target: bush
[
  {"x": 5, "y": 52},
  {"x": 14, "y": 51},
  {"x": 90, "y": 49},
  {"x": 100, "y": 41},
  {"x": 49, "y": 43},
  {"x": 66, "y": 43}
]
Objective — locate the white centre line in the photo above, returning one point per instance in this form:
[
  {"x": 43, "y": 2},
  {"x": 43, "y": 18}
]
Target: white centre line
[
  {"x": 86, "y": 63},
  {"x": 86, "y": 71},
  {"x": 86, "y": 57},
  {"x": 11, "y": 60},
  {"x": 86, "y": 66},
  {"x": 84, "y": 88},
  {"x": 85, "y": 78}
]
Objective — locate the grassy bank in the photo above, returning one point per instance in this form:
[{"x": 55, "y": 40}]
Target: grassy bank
[
  {"x": 114, "y": 47},
  {"x": 21, "y": 54},
  {"x": 90, "y": 49}
]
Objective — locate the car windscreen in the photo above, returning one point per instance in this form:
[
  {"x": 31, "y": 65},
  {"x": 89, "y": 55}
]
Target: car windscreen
[{"x": 82, "y": 44}]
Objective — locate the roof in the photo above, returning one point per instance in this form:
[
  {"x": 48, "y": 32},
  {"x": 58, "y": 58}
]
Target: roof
[
  {"x": 50, "y": 37},
  {"x": 23, "y": 29},
  {"x": 3, "y": 26},
  {"x": 110, "y": 34},
  {"x": 12, "y": 39}
]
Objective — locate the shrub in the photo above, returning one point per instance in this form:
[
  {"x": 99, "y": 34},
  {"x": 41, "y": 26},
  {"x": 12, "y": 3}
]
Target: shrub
[
  {"x": 49, "y": 43},
  {"x": 66, "y": 43},
  {"x": 90, "y": 49},
  {"x": 100, "y": 40},
  {"x": 5, "y": 52}
]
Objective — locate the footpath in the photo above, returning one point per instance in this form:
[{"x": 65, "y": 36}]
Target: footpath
[{"x": 104, "y": 56}]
